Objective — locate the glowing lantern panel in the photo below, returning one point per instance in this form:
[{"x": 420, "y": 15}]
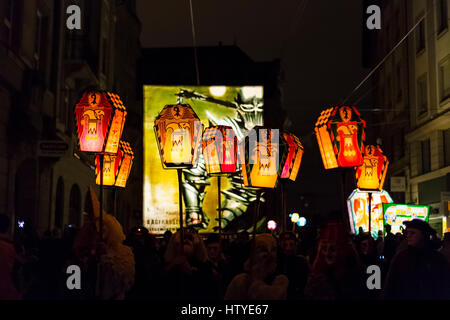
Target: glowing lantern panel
[
  {"x": 340, "y": 135},
  {"x": 178, "y": 133},
  {"x": 116, "y": 167},
  {"x": 372, "y": 173},
  {"x": 219, "y": 146},
  {"x": 259, "y": 153},
  {"x": 271, "y": 225},
  {"x": 100, "y": 117},
  {"x": 291, "y": 163},
  {"x": 294, "y": 217}
]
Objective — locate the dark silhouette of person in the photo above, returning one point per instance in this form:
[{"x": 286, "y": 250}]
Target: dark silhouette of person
[{"x": 418, "y": 272}]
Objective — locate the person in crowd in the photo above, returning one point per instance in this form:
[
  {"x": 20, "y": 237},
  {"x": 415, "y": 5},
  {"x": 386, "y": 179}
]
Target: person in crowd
[
  {"x": 445, "y": 249},
  {"x": 390, "y": 246},
  {"x": 163, "y": 243},
  {"x": 8, "y": 259},
  {"x": 367, "y": 250},
  {"x": 294, "y": 266},
  {"x": 216, "y": 259},
  {"x": 418, "y": 272},
  {"x": 187, "y": 274},
  {"x": 259, "y": 281},
  {"x": 147, "y": 264},
  {"x": 239, "y": 251},
  {"x": 337, "y": 272},
  {"x": 379, "y": 243}
]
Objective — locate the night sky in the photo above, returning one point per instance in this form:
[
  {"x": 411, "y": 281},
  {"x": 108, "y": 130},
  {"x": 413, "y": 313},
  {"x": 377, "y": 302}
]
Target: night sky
[{"x": 320, "y": 46}]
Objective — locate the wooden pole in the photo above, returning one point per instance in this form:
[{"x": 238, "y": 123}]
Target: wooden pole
[
  {"x": 219, "y": 205},
  {"x": 370, "y": 213},
  {"x": 101, "y": 157},
  {"x": 180, "y": 200}
]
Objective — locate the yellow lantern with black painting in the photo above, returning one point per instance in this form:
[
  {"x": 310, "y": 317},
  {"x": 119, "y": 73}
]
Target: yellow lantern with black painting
[
  {"x": 116, "y": 167},
  {"x": 372, "y": 173},
  {"x": 178, "y": 133},
  {"x": 100, "y": 118},
  {"x": 260, "y": 157}
]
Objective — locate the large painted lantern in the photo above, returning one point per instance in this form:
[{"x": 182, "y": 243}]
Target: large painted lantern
[
  {"x": 260, "y": 154},
  {"x": 340, "y": 134},
  {"x": 358, "y": 210},
  {"x": 372, "y": 173},
  {"x": 219, "y": 144},
  {"x": 178, "y": 133},
  {"x": 293, "y": 159},
  {"x": 116, "y": 167},
  {"x": 100, "y": 117}
]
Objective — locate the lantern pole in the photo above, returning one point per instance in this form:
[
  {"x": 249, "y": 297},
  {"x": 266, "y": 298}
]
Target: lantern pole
[
  {"x": 283, "y": 207},
  {"x": 370, "y": 213},
  {"x": 101, "y": 157},
  {"x": 180, "y": 200},
  {"x": 255, "y": 217},
  {"x": 219, "y": 203}
]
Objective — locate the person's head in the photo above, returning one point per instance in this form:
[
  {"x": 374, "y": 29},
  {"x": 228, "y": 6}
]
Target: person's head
[
  {"x": 213, "y": 247},
  {"x": 418, "y": 232},
  {"x": 380, "y": 234},
  {"x": 388, "y": 229},
  {"x": 288, "y": 243},
  {"x": 243, "y": 237},
  {"x": 193, "y": 247},
  {"x": 446, "y": 239},
  {"x": 4, "y": 223},
  {"x": 263, "y": 257},
  {"x": 167, "y": 235},
  {"x": 365, "y": 245},
  {"x": 360, "y": 230}
]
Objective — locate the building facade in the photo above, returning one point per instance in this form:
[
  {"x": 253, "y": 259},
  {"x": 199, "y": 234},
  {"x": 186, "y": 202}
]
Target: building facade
[{"x": 44, "y": 68}]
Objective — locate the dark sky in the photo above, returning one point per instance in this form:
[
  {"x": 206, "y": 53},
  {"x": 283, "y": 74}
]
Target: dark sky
[{"x": 318, "y": 41}]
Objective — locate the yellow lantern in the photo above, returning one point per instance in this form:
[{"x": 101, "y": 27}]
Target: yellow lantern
[
  {"x": 372, "y": 173},
  {"x": 178, "y": 132},
  {"x": 116, "y": 167},
  {"x": 293, "y": 158},
  {"x": 259, "y": 154},
  {"x": 100, "y": 117},
  {"x": 340, "y": 135}
]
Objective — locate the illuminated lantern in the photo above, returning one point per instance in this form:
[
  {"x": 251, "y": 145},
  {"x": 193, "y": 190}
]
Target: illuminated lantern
[
  {"x": 271, "y": 225},
  {"x": 358, "y": 210},
  {"x": 294, "y": 217},
  {"x": 100, "y": 117},
  {"x": 291, "y": 163},
  {"x": 116, "y": 167},
  {"x": 178, "y": 132},
  {"x": 259, "y": 153},
  {"x": 340, "y": 134},
  {"x": 301, "y": 222},
  {"x": 371, "y": 174},
  {"x": 219, "y": 146}
]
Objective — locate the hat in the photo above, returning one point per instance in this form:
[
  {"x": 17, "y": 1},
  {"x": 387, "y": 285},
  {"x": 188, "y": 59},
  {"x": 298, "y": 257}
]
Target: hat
[{"x": 420, "y": 225}]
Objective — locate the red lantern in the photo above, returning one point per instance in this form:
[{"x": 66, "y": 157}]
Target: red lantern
[
  {"x": 178, "y": 132},
  {"x": 340, "y": 134},
  {"x": 371, "y": 174},
  {"x": 116, "y": 167},
  {"x": 100, "y": 117},
  {"x": 293, "y": 159},
  {"x": 219, "y": 146}
]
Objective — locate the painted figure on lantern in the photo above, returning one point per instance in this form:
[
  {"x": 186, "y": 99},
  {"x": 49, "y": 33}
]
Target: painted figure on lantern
[
  {"x": 349, "y": 154},
  {"x": 372, "y": 173}
]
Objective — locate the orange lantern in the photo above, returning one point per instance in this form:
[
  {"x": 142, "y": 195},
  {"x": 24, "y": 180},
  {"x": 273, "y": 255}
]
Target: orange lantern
[
  {"x": 116, "y": 167},
  {"x": 259, "y": 153},
  {"x": 371, "y": 174},
  {"x": 178, "y": 132},
  {"x": 340, "y": 134},
  {"x": 291, "y": 163},
  {"x": 100, "y": 117},
  {"x": 219, "y": 146}
]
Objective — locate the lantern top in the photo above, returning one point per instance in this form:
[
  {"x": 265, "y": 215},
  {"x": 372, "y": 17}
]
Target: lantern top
[
  {"x": 126, "y": 148},
  {"x": 345, "y": 114},
  {"x": 177, "y": 111}
]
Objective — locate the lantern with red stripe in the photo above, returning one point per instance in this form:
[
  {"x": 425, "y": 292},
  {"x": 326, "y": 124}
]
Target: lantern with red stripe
[
  {"x": 219, "y": 144},
  {"x": 372, "y": 173},
  {"x": 293, "y": 159},
  {"x": 340, "y": 135},
  {"x": 178, "y": 132},
  {"x": 116, "y": 167},
  {"x": 100, "y": 117}
]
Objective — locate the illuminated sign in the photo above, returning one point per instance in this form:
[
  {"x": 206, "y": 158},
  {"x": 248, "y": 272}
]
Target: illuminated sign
[{"x": 395, "y": 214}]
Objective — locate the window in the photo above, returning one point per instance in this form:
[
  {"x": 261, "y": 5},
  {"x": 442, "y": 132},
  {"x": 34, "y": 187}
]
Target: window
[
  {"x": 444, "y": 79},
  {"x": 426, "y": 159},
  {"x": 422, "y": 95},
  {"x": 447, "y": 147},
  {"x": 420, "y": 36},
  {"x": 442, "y": 15},
  {"x": 398, "y": 89}
]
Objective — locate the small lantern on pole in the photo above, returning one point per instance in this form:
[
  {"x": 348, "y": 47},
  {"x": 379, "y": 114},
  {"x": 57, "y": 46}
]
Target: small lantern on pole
[
  {"x": 116, "y": 167},
  {"x": 219, "y": 145},
  {"x": 178, "y": 132}
]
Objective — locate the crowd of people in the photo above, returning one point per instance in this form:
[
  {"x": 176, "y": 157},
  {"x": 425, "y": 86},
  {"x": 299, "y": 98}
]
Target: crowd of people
[{"x": 187, "y": 265}]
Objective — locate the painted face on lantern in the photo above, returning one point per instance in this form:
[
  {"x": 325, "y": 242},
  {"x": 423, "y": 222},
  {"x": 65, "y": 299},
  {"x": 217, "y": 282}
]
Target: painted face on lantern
[
  {"x": 265, "y": 158},
  {"x": 179, "y": 144},
  {"x": 92, "y": 119}
]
